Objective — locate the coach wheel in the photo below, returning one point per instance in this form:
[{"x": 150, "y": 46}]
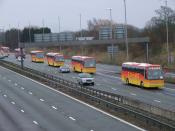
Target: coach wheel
[
  {"x": 127, "y": 81},
  {"x": 141, "y": 84}
]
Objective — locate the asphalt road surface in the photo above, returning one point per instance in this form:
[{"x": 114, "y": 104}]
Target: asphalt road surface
[
  {"x": 108, "y": 79},
  {"x": 26, "y": 105}
]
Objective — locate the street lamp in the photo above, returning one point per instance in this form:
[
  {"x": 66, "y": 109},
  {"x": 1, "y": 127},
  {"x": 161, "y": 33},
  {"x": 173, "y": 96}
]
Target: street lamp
[
  {"x": 43, "y": 30},
  {"x": 59, "y": 25},
  {"x": 29, "y": 34},
  {"x": 167, "y": 30},
  {"x": 126, "y": 32},
  {"x": 81, "y": 33},
  {"x": 110, "y": 13}
]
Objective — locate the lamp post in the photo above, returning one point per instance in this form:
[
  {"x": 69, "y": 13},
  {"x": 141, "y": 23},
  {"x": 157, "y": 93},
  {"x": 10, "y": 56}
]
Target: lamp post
[
  {"x": 112, "y": 46},
  {"x": 29, "y": 33},
  {"x": 43, "y": 30},
  {"x": 81, "y": 35},
  {"x": 59, "y": 28},
  {"x": 126, "y": 32},
  {"x": 21, "y": 49},
  {"x": 167, "y": 32}
]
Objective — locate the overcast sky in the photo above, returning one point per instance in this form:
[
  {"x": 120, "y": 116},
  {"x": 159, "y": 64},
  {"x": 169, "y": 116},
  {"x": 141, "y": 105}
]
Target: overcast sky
[{"x": 13, "y": 12}]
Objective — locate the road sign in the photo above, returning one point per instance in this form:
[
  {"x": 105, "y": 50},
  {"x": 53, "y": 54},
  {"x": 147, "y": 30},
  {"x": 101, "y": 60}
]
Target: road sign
[
  {"x": 119, "y": 32},
  {"x": 112, "y": 49},
  {"x": 105, "y": 33}
]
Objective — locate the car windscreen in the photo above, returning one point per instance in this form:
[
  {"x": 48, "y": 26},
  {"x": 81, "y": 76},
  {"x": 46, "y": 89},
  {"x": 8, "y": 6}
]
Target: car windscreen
[
  {"x": 90, "y": 63},
  {"x": 83, "y": 75},
  {"x": 154, "y": 74}
]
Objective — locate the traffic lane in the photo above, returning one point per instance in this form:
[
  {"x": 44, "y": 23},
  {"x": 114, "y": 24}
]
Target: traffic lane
[
  {"x": 110, "y": 68},
  {"x": 12, "y": 119},
  {"x": 160, "y": 98},
  {"x": 45, "y": 68},
  {"x": 83, "y": 116},
  {"x": 111, "y": 83},
  {"x": 45, "y": 116}
]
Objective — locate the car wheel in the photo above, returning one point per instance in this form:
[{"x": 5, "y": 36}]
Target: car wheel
[
  {"x": 141, "y": 84},
  {"x": 127, "y": 81}
]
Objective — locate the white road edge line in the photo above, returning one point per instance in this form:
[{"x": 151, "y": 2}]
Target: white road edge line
[
  {"x": 114, "y": 117},
  {"x": 72, "y": 118}
]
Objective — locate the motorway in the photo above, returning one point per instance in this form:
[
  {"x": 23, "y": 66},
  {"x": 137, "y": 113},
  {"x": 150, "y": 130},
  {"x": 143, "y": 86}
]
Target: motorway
[
  {"x": 107, "y": 79},
  {"x": 26, "y": 105}
]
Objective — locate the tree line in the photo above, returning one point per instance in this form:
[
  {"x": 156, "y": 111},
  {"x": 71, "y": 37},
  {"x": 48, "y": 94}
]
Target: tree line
[
  {"x": 155, "y": 29},
  {"x": 14, "y": 35}
]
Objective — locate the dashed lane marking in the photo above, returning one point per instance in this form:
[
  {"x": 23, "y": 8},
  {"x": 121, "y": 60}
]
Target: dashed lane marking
[
  {"x": 119, "y": 119},
  {"x": 35, "y": 122},
  {"x": 114, "y": 89},
  {"x": 54, "y": 107},
  {"x": 30, "y": 93},
  {"x": 13, "y": 102},
  {"x": 157, "y": 101},
  {"x": 133, "y": 94},
  {"x": 41, "y": 100},
  {"x": 72, "y": 118},
  {"x": 22, "y": 111}
]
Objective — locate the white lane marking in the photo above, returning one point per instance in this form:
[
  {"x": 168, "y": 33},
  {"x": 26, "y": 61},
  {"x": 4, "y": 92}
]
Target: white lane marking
[
  {"x": 22, "y": 111},
  {"x": 133, "y": 94},
  {"x": 114, "y": 117},
  {"x": 30, "y": 93},
  {"x": 9, "y": 80},
  {"x": 54, "y": 107},
  {"x": 13, "y": 102},
  {"x": 41, "y": 100},
  {"x": 170, "y": 89},
  {"x": 72, "y": 118},
  {"x": 22, "y": 88},
  {"x": 109, "y": 76},
  {"x": 157, "y": 101},
  {"x": 5, "y": 95},
  {"x": 114, "y": 89},
  {"x": 91, "y": 130},
  {"x": 15, "y": 84},
  {"x": 36, "y": 123}
]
